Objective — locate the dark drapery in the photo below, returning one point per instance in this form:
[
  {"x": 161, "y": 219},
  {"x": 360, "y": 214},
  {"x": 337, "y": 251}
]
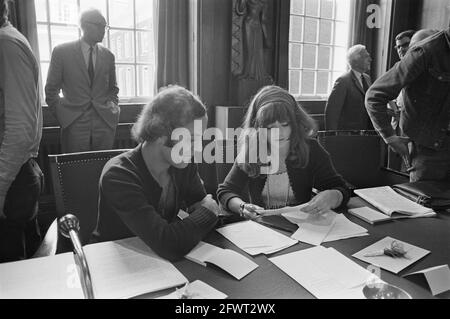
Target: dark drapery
[
  {"x": 360, "y": 33},
  {"x": 173, "y": 43}
]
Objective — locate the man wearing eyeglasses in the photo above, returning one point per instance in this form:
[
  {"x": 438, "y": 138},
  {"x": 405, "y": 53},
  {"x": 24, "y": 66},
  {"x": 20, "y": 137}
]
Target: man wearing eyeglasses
[{"x": 84, "y": 70}]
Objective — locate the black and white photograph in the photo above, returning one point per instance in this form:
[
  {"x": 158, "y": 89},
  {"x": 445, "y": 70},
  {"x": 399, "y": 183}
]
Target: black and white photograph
[{"x": 248, "y": 154}]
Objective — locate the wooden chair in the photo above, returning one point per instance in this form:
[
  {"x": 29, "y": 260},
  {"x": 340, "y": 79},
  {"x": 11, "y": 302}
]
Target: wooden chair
[{"x": 75, "y": 179}]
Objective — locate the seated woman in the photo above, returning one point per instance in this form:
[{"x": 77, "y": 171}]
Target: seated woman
[
  {"x": 303, "y": 163},
  {"x": 142, "y": 190}
]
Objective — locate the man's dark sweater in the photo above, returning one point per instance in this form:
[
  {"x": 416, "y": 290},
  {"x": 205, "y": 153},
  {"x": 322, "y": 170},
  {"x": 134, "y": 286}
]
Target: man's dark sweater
[{"x": 129, "y": 197}]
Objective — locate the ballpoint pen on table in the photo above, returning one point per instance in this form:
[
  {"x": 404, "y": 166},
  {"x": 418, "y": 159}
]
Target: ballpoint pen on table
[
  {"x": 396, "y": 250},
  {"x": 183, "y": 293}
]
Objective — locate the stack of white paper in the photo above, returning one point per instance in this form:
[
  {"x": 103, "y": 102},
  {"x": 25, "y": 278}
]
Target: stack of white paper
[
  {"x": 315, "y": 229},
  {"x": 254, "y": 238},
  {"x": 229, "y": 260},
  {"x": 325, "y": 273},
  {"x": 119, "y": 269}
]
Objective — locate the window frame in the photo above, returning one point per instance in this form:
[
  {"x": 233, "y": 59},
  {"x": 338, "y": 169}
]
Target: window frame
[
  {"x": 136, "y": 98},
  {"x": 332, "y": 70}
]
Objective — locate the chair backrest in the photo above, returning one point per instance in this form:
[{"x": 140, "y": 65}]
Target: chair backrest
[
  {"x": 75, "y": 179},
  {"x": 357, "y": 155}
]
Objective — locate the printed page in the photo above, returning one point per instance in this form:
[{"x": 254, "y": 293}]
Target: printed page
[
  {"x": 389, "y": 201},
  {"x": 52, "y": 277},
  {"x": 128, "y": 268},
  {"x": 232, "y": 262},
  {"x": 314, "y": 229},
  {"x": 343, "y": 229},
  {"x": 392, "y": 264},
  {"x": 254, "y": 238},
  {"x": 324, "y": 272}
]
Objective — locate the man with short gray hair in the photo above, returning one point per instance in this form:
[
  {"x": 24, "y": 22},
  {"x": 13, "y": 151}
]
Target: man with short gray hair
[
  {"x": 84, "y": 70},
  {"x": 345, "y": 107}
]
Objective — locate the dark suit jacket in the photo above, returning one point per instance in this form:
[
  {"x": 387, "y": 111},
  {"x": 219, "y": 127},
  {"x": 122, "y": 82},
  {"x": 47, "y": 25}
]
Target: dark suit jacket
[
  {"x": 68, "y": 71},
  {"x": 345, "y": 108}
]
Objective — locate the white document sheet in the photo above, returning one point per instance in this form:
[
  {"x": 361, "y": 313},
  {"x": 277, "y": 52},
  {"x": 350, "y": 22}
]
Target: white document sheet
[
  {"x": 438, "y": 278},
  {"x": 53, "y": 277},
  {"x": 312, "y": 228},
  {"x": 128, "y": 268},
  {"x": 343, "y": 229},
  {"x": 196, "y": 290},
  {"x": 395, "y": 265},
  {"x": 369, "y": 215},
  {"x": 325, "y": 273},
  {"x": 254, "y": 238},
  {"x": 232, "y": 262}
]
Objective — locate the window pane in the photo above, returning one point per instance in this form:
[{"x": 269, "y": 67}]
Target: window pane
[
  {"x": 312, "y": 7},
  {"x": 339, "y": 59},
  {"x": 325, "y": 33},
  {"x": 126, "y": 80},
  {"x": 322, "y": 82},
  {"x": 145, "y": 80},
  {"x": 121, "y": 13},
  {"x": 61, "y": 34},
  {"x": 308, "y": 82},
  {"x": 294, "y": 82},
  {"x": 296, "y": 29},
  {"x": 41, "y": 10},
  {"x": 341, "y": 34},
  {"x": 297, "y": 6},
  {"x": 144, "y": 14},
  {"x": 145, "y": 51},
  {"x": 324, "y": 58},
  {"x": 326, "y": 8},
  {"x": 342, "y": 10},
  {"x": 122, "y": 45},
  {"x": 311, "y": 26},
  {"x": 309, "y": 56},
  {"x": 97, "y": 4},
  {"x": 44, "y": 45},
  {"x": 44, "y": 71},
  {"x": 294, "y": 55},
  {"x": 64, "y": 11}
]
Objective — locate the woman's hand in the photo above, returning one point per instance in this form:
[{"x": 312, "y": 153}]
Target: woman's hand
[
  {"x": 324, "y": 202},
  {"x": 250, "y": 211}
]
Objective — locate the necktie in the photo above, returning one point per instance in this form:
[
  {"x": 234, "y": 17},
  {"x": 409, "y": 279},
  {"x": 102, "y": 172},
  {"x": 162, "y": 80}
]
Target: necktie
[
  {"x": 364, "y": 83},
  {"x": 91, "y": 66}
]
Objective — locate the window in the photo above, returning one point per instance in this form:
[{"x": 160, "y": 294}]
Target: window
[
  {"x": 130, "y": 38},
  {"x": 318, "y": 41}
]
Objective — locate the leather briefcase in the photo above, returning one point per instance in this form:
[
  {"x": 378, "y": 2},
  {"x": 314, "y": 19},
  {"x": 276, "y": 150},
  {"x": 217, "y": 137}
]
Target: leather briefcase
[{"x": 431, "y": 194}]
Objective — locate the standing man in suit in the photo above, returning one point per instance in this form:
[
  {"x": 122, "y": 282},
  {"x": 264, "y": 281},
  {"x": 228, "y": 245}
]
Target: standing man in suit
[
  {"x": 84, "y": 70},
  {"x": 345, "y": 107},
  {"x": 20, "y": 135}
]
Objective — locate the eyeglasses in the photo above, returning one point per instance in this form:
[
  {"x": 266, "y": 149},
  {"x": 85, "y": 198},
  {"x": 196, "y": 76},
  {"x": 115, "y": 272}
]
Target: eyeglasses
[{"x": 99, "y": 25}]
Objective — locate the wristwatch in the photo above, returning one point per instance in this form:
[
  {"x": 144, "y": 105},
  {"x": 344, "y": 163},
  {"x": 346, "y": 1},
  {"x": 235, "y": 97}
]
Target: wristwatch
[{"x": 241, "y": 209}]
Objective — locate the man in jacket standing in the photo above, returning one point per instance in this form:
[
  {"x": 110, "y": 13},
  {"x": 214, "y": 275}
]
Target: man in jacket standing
[{"x": 424, "y": 76}]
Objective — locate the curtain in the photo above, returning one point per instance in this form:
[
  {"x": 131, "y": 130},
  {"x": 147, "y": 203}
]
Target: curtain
[
  {"x": 172, "y": 43},
  {"x": 360, "y": 33},
  {"x": 282, "y": 19}
]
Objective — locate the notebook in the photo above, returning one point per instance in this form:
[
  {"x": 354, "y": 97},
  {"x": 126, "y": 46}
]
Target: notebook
[
  {"x": 369, "y": 215},
  {"x": 232, "y": 262},
  {"x": 393, "y": 204},
  {"x": 119, "y": 269}
]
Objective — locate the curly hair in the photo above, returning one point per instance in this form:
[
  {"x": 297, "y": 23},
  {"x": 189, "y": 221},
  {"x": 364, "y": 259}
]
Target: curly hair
[
  {"x": 3, "y": 11},
  {"x": 271, "y": 104},
  {"x": 173, "y": 107}
]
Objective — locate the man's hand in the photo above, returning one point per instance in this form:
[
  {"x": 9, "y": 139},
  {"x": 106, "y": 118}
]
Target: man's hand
[
  {"x": 2, "y": 203},
  {"x": 209, "y": 203},
  {"x": 400, "y": 146}
]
